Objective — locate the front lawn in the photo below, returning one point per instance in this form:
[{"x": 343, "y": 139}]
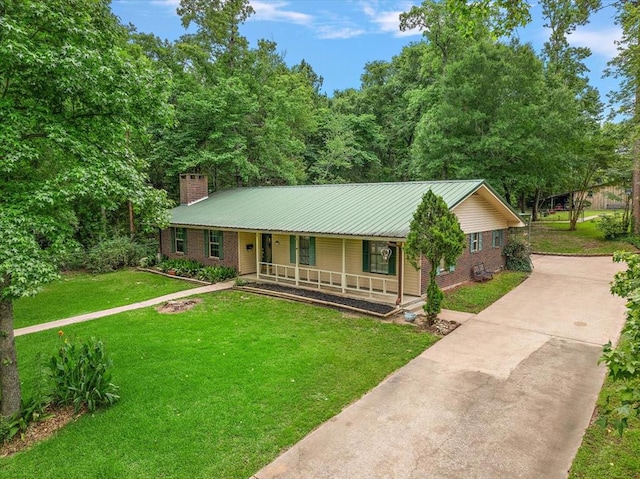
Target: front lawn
[
  {"x": 587, "y": 239},
  {"x": 79, "y": 293},
  {"x": 216, "y": 392},
  {"x": 474, "y": 297}
]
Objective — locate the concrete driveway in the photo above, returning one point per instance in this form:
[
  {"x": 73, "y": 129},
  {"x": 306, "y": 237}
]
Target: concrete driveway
[{"x": 507, "y": 395}]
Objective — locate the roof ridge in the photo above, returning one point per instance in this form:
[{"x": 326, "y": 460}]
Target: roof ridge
[{"x": 333, "y": 185}]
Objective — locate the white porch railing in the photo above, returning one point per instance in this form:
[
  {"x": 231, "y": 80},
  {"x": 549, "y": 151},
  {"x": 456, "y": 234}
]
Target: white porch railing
[{"x": 319, "y": 278}]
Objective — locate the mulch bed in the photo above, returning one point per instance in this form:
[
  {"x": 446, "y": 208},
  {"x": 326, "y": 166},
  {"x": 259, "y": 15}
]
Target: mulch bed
[
  {"x": 58, "y": 417},
  {"x": 338, "y": 301}
]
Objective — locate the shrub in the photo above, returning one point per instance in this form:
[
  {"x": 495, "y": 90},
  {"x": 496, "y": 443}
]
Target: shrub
[
  {"x": 613, "y": 226},
  {"x": 215, "y": 274},
  {"x": 146, "y": 252},
  {"x": 81, "y": 375},
  {"x": 518, "y": 253},
  {"x": 33, "y": 410},
  {"x": 634, "y": 240},
  {"x": 111, "y": 254},
  {"x": 182, "y": 266}
]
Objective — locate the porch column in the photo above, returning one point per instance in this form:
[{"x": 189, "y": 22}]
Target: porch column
[
  {"x": 400, "y": 298},
  {"x": 343, "y": 281},
  {"x": 257, "y": 247},
  {"x": 297, "y": 260}
]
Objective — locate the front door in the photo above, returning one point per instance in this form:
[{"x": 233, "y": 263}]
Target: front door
[{"x": 267, "y": 256}]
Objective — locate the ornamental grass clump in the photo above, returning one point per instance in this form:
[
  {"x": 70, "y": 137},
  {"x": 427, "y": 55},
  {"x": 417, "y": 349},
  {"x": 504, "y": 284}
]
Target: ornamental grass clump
[{"x": 81, "y": 375}]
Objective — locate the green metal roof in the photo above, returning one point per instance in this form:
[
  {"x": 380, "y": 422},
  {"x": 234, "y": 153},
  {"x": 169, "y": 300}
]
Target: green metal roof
[{"x": 363, "y": 209}]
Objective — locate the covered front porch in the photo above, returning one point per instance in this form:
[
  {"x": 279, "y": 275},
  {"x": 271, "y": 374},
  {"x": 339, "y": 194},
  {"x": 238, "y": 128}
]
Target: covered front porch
[{"x": 340, "y": 266}]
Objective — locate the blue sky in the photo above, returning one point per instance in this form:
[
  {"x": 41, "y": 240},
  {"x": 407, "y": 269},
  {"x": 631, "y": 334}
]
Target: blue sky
[{"x": 338, "y": 37}]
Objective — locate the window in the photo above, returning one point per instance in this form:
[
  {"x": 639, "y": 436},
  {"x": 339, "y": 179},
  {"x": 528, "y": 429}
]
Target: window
[
  {"x": 304, "y": 249},
  {"x": 475, "y": 242},
  {"x": 180, "y": 240},
  {"x": 307, "y": 253},
  {"x": 213, "y": 242},
  {"x": 498, "y": 239},
  {"x": 373, "y": 261},
  {"x": 443, "y": 268}
]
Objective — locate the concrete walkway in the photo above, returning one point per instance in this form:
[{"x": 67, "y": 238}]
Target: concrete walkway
[
  {"x": 506, "y": 395},
  {"x": 108, "y": 312}
]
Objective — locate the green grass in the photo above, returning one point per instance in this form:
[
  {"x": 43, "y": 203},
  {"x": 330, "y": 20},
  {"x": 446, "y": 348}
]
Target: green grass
[
  {"x": 564, "y": 215},
  {"x": 474, "y": 297},
  {"x": 78, "y": 293},
  {"x": 604, "y": 454},
  {"x": 218, "y": 391},
  {"x": 587, "y": 239}
]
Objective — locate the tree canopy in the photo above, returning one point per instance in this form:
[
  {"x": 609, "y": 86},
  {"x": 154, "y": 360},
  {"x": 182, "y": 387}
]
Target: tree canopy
[{"x": 72, "y": 90}]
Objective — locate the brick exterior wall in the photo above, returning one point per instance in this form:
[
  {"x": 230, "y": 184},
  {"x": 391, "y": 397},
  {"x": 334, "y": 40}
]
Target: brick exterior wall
[
  {"x": 196, "y": 248},
  {"x": 492, "y": 258},
  {"x": 193, "y": 187}
]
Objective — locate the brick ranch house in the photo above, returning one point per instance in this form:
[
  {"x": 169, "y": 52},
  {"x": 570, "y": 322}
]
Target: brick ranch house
[{"x": 342, "y": 238}]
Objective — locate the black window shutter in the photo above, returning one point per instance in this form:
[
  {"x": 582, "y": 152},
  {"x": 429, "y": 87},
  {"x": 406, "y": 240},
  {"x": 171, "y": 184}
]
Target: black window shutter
[
  {"x": 392, "y": 261},
  {"x": 365, "y": 256},
  {"x": 292, "y": 249}
]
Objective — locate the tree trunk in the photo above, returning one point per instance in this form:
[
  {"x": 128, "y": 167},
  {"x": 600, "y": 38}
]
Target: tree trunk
[
  {"x": 132, "y": 224},
  {"x": 635, "y": 191},
  {"x": 536, "y": 205},
  {"x": 9, "y": 379}
]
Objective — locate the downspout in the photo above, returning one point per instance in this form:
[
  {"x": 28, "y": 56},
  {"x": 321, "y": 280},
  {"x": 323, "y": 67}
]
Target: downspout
[{"x": 400, "y": 297}]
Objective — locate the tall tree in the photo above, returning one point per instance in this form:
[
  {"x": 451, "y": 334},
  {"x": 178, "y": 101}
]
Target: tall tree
[
  {"x": 435, "y": 234},
  {"x": 217, "y": 23},
  {"x": 626, "y": 65},
  {"x": 71, "y": 89},
  {"x": 490, "y": 118}
]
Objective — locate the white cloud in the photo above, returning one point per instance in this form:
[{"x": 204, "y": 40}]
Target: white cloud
[
  {"x": 169, "y": 3},
  {"x": 388, "y": 21},
  {"x": 601, "y": 42},
  {"x": 275, "y": 12},
  {"x": 329, "y": 32}
]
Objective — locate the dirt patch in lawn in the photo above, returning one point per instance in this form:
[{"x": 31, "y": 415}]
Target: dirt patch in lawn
[
  {"x": 39, "y": 431},
  {"x": 178, "y": 306}
]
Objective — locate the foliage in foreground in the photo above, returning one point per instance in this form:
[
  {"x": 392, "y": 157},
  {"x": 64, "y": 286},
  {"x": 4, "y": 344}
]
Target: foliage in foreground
[
  {"x": 623, "y": 362},
  {"x": 603, "y": 452},
  {"x": 217, "y": 391},
  {"x": 81, "y": 375},
  {"x": 33, "y": 410}
]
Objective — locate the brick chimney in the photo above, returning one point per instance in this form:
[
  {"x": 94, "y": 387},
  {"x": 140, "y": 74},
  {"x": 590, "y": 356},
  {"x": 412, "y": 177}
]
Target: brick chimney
[{"x": 193, "y": 188}]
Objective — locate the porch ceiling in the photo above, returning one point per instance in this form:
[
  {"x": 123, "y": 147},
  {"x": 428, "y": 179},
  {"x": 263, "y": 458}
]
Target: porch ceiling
[{"x": 366, "y": 210}]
